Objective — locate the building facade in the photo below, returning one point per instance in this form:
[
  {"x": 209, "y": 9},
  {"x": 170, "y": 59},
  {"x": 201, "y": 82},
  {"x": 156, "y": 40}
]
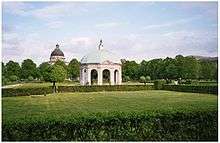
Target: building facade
[
  {"x": 100, "y": 67},
  {"x": 56, "y": 55}
]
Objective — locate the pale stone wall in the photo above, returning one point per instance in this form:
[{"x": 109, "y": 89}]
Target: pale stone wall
[
  {"x": 53, "y": 59},
  {"x": 85, "y": 73}
]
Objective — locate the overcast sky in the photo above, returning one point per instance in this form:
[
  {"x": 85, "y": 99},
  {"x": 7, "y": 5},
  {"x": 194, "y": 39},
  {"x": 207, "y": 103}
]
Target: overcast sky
[{"x": 132, "y": 30}]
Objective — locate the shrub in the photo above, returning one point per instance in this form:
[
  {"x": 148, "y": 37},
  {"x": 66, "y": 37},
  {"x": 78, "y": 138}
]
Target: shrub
[
  {"x": 8, "y": 92},
  {"x": 5, "y": 80},
  {"x": 210, "y": 89},
  {"x": 30, "y": 78},
  {"x": 126, "y": 78},
  {"x": 194, "y": 126},
  {"x": 95, "y": 88},
  {"x": 13, "y": 78},
  {"x": 148, "y": 78},
  {"x": 142, "y": 79},
  {"x": 158, "y": 84}
]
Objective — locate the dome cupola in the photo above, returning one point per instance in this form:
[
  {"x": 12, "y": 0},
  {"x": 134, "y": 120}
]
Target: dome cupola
[
  {"x": 57, "y": 52},
  {"x": 99, "y": 56}
]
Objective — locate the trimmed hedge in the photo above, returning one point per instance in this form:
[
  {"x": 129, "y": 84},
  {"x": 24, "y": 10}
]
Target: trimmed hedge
[
  {"x": 104, "y": 88},
  {"x": 193, "y": 88},
  {"x": 9, "y": 92},
  {"x": 195, "y": 126},
  {"x": 158, "y": 84}
]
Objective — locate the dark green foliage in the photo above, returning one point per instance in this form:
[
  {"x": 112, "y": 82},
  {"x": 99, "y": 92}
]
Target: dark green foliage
[
  {"x": 28, "y": 68},
  {"x": 30, "y": 78},
  {"x": 104, "y": 88},
  {"x": 61, "y": 63},
  {"x": 9, "y": 92},
  {"x": 131, "y": 69},
  {"x": 13, "y": 78},
  {"x": 73, "y": 69},
  {"x": 191, "y": 126},
  {"x": 210, "y": 89},
  {"x": 12, "y": 68},
  {"x": 208, "y": 70},
  {"x": 158, "y": 84}
]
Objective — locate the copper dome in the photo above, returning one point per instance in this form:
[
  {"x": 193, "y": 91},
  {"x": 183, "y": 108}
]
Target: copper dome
[{"x": 57, "y": 52}]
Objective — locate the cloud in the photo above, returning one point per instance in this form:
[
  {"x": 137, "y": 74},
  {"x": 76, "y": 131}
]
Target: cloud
[{"x": 169, "y": 24}]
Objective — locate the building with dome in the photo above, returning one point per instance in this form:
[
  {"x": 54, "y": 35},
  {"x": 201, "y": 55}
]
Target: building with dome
[
  {"x": 56, "y": 55},
  {"x": 100, "y": 67}
]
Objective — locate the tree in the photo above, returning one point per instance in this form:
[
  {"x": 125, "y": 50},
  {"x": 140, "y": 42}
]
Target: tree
[
  {"x": 12, "y": 68},
  {"x": 13, "y": 78},
  {"x": 73, "y": 69},
  {"x": 55, "y": 73},
  {"x": 28, "y": 68},
  {"x": 3, "y": 69},
  {"x": 61, "y": 63},
  {"x": 143, "y": 80},
  {"x": 143, "y": 71},
  {"x": 43, "y": 69},
  {"x": 131, "y": 69},
  {"x": 148, "y": 78},
  {"x": 208, "y": 70},
  {"x": 154, "y": 68}
]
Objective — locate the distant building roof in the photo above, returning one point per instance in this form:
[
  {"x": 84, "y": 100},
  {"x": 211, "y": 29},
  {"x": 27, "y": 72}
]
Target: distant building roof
[
  {"x": 99, "y": 56},
  {"x": 57, "y": 52}
]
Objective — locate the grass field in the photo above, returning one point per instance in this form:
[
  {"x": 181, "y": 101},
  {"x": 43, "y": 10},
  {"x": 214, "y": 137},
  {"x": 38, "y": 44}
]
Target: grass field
[{"x": 66, "y": 104}]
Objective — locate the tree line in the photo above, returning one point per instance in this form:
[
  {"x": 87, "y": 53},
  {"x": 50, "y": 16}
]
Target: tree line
[
  {"x": 29, "y": 71},
  {"x": 179, "y": 67},
  {"x": 168, "y": 68}
]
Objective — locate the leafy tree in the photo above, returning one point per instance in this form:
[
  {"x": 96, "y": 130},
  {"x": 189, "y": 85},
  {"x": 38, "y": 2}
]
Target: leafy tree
[
  {"x": 143, "y": 71},
  {"x": 55, "y": 73},
  {"x": 13, "y": 78},
  {"x": 191, "y": 68},
  {"x": 154, "y": 68},
  {"x": 12, "y": 68},
  {"x": 30, "y": 78},
  {"x": 61, "y": 63},
  {"x": 148, "y": 78},
  {"x": 131, "y": 69},
  {"x": 73, "y": 69},
  {"x": 43, "y": 68},
  {"x": 28, "y": 68},
  {"x": 208, "y": 70},
  {"x": 3, "y": 69},
  {"x": 169, "y": 69},
  {"x": 143, "y": 80}
]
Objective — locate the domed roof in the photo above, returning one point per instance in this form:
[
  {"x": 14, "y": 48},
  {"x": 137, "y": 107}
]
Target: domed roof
[
  {"x": 99, "y": 56},
  {"x": 57, "y": 52}
]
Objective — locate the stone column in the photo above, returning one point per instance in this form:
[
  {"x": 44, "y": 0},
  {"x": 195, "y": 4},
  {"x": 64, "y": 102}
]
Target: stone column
[
  {"x": 112, "y": 77},
  {"x": 89, "y": 76},
  {"x": 119, "y": 77},
  {"x": 100, "y": 76}
]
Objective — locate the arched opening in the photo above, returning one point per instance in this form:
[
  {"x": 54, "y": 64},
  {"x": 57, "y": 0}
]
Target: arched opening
[
  {"x": 106, "y": 76},
  {"x": 94, "y": 77},
  {"x": 116, "y": 75}
]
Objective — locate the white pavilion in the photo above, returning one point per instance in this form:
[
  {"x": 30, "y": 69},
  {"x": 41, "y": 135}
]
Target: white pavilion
[{"x": 100, "y": 67}]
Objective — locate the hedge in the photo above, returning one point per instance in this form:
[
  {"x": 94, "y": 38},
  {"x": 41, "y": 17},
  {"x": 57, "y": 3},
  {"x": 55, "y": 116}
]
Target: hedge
[
  {"x": 104, "y": 88},
  {"x": 194, "y": 126},
  {"x": 210, "y": 89},
  {"x": 8, "y": 92}
]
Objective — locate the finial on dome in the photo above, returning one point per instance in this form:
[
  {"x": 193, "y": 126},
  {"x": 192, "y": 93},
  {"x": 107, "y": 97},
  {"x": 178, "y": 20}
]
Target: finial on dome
[
  {"x": 57, "y": 45},
  {"x": 100, "y": 45}
]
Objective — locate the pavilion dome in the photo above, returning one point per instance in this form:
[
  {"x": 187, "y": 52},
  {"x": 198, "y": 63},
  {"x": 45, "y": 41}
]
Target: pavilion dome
[
  {"x": 99, "y": 56},
  {"x": 57, "y": 52}
]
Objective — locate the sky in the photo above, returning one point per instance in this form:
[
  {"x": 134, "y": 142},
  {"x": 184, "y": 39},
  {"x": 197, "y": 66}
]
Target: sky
[{"x": 132, "y": 30}]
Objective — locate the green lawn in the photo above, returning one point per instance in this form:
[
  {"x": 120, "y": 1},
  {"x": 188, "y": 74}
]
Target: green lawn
[{"x": 65, "y": 104}]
